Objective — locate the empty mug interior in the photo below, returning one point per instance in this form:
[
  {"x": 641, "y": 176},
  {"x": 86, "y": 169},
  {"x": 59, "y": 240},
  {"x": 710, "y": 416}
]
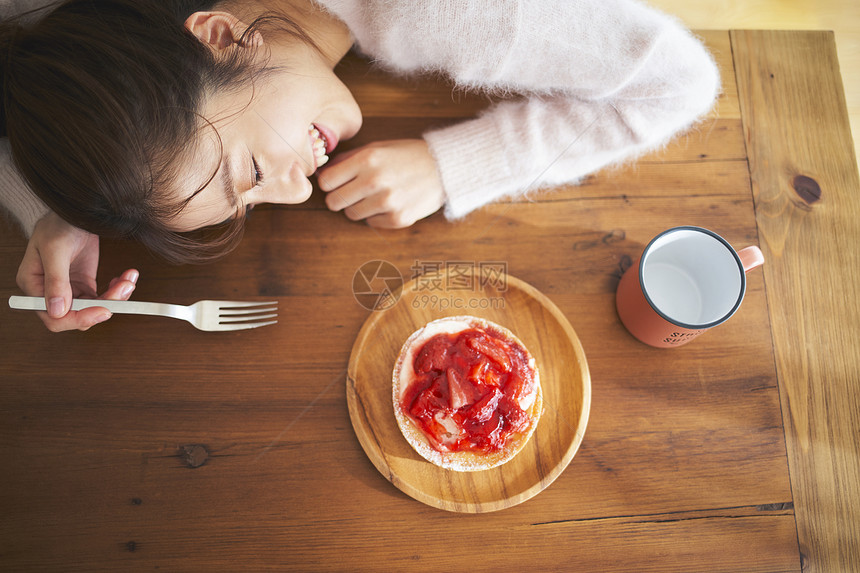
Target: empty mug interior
[{"x": 692, "y": 277}]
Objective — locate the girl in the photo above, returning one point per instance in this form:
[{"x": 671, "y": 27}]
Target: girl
[{"x": 166, "y": 121}]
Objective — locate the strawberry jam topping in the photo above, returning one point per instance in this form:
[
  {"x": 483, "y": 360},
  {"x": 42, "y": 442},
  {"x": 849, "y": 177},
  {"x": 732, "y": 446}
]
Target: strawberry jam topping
[{"x": 467, "y": 390}]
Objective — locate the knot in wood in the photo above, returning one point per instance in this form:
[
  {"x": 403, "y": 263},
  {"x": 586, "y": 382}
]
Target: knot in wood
[
  {"x": 807, "y": 189},
  {"x": 194, "y": 455},
  {"x": 614, "y": 236}
]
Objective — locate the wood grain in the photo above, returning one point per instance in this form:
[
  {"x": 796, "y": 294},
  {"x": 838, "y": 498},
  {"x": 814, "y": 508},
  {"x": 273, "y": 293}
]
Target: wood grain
[
  {"x": 145, "y": 444},
  {"x": 840, "y": 16},
  {"x": 544, "y": 330},
  {"x": 805, "y": 186}
]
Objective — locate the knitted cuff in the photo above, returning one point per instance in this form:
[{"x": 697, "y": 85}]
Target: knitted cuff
[{"x": 471, "y": 162}]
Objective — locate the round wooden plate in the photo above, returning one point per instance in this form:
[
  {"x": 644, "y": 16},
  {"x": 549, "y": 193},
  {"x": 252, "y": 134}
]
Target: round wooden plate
[{"x": 564, "y": 376}]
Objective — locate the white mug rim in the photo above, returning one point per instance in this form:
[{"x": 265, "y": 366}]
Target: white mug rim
[{"x": 664, "y": 316}]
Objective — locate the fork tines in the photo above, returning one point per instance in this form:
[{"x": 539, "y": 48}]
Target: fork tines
[{"x": 250, "y": 313}]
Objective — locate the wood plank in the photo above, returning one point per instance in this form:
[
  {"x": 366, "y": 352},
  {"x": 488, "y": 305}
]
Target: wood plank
[
  {"x": 719, "y": 44},
  {"x": 382, "y": 94},
  {"x": 311, "y": 251},
  {"x": 840, "y": 16},
  {"x": 144, "y": 443},
  {"x": 201, "y": 538},
  {"x": 716, "y": 431},
  {"x": 805, "y": 185}
]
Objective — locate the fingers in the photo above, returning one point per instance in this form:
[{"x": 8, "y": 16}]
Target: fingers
[
  {"x": 340, "y": 184},
  {"x": 58, "y": 287},
  {"x": 30, "y": 277},
  {"x": 348, "y": 196},
  {"x": 358, "y": 201},
  {"x": 56, "y": 264},
  {"x": 390, "y": 184},
  {"x": 354, "y": 186},
  {"x": 76, "y": 319},
  {"x": 61, "y": 262},
  {"x": 122, "y": 286},
  {"x": 379, "y": 207},
  {"x": 47, "y": 276},
  {"x": 338, "y": 171},
  {"x": 389, "y": 221}
]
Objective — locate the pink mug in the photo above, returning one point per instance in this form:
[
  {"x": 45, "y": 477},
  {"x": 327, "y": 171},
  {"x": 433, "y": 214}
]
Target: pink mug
[{"x": 687, "y": 280}]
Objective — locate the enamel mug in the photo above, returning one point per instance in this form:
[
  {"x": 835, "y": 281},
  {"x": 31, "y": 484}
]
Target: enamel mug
[{"x": 688, "y": 280}]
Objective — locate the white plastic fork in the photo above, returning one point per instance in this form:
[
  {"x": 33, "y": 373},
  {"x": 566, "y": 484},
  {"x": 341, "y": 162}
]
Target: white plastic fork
[{"x": 210, "y": 315}]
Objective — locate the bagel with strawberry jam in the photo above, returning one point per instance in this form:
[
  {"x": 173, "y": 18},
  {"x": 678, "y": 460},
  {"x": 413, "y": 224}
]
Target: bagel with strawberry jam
[{"x": 466, "y": 393}]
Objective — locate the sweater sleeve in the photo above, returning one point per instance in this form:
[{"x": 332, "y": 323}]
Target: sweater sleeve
[
  {"x": 15, "y": 194},
  {"x": 601, "y": 82},
  {"x": 28, "y": 10}
]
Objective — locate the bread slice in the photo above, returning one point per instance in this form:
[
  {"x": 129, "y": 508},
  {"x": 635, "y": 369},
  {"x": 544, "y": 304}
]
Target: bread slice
[{"x": 470, "y": 458}]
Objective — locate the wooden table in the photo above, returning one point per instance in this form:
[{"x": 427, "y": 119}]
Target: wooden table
[{"x": 145, "y": 444}]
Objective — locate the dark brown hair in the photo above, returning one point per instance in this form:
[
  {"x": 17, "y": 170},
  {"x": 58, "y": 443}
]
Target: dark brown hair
[{"x": 99, "y": 98}]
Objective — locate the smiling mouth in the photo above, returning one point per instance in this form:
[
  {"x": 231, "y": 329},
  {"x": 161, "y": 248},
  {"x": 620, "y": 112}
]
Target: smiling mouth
[{"x": 318, "y": 144}]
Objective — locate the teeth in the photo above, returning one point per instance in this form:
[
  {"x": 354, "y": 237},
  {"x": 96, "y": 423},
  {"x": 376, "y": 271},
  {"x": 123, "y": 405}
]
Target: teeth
[{"x": 318, "y": 144}]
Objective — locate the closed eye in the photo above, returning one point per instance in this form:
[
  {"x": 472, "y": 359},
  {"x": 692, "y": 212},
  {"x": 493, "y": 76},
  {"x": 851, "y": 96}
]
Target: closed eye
[{"x": 258, "y": 173}]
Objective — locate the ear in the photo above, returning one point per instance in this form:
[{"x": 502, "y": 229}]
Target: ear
[{"x": 218, "y": 30}]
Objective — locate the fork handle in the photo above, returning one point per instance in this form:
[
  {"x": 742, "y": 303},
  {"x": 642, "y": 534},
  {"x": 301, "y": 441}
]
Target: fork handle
[{"x": 115, "y": 306}]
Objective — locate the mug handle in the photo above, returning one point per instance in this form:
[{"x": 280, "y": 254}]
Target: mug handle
[{"x": 751, "y": 257}]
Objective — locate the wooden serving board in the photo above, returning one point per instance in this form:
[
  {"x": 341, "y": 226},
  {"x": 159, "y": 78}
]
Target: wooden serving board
[{"x": 565, "y": 381}]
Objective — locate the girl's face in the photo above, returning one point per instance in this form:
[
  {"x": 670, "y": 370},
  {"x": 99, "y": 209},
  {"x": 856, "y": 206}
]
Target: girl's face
[{"x": 274, "y": 133}]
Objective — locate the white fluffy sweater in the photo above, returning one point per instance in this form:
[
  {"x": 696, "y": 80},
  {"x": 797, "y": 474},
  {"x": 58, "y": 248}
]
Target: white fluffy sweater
[{"x": 603, "y": 82}]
